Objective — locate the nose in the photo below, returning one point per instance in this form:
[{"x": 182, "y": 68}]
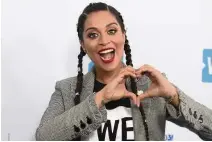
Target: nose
[{"x": 104, "y": 40}]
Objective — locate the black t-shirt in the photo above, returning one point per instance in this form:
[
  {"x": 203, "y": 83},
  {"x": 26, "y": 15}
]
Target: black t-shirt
[{"x": 112, "y": 104}]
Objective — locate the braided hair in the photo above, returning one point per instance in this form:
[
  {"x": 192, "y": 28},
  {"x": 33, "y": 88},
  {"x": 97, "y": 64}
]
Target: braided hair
[{"x": 93, "y": 7}]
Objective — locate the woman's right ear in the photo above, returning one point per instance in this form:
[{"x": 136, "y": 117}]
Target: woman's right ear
[
  {"x": 82, "y": 46},
  {"x": 84, "y": 50}
]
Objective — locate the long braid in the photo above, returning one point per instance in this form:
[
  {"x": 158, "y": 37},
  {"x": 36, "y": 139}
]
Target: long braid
[
  {"x": 129, "y": 62},
  {"x": 78, "y": 89},
  {"x": 133, "y": 83},
  {"x": 134, "y": 87}
]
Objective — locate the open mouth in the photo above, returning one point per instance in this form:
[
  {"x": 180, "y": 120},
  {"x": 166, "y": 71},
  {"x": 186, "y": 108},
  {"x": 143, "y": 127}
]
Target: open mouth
[{"x": 107, "y": 55}]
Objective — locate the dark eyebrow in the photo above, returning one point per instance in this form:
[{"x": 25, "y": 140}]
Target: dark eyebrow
[
  {"x": 94, "y": 28},
  {"x": 111, "y": 24}
]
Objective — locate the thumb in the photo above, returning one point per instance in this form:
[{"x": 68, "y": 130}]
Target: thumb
[{"x": 131, "y": 95}]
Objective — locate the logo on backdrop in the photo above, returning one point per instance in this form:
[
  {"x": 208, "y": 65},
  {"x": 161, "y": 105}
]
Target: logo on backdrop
[
  {"x": 169, "y": 137},
  {"x": 90, "y": 65},
  {"x": 207, "y": 69}
]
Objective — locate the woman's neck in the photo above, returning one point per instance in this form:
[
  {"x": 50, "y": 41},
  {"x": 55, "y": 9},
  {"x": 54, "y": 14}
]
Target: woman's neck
[{"x": 106, "y": 76}]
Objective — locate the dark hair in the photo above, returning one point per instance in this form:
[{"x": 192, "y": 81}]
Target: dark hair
[{"x": 93, "y": 7}]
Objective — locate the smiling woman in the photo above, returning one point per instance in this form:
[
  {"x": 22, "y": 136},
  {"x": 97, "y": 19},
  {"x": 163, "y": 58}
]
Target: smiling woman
[{"x": 136, "y": 101}]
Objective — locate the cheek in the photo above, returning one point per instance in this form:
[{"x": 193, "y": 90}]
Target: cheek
[
  {"x": 119, "y": 39},
  {"x": 90, "y": 46},
  {"x": 91, "y": 49},
  {"x": 119, "y": 43}
]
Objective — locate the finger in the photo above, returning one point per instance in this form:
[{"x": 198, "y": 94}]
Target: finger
[
  {"x": 130, "y": 68},
  {"x": 139, "y": 98},
  {"x": 124, "y": 75},
  {"x": 144, "y": 69},
  {"x": 127, "y": 73},
  {"x": 149, "y": 71},
  {"x": 131, "y": 95},
  {"x": 138, "y": 75}
]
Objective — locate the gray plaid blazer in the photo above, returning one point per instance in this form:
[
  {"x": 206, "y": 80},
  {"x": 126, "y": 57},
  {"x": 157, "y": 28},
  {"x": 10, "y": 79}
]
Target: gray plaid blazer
[{"x": 62, "y": 120}]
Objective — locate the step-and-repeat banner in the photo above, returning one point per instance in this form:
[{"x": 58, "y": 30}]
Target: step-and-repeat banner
[{"x": 40, "y": 46}]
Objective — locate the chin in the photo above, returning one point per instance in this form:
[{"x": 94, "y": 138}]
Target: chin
[{"x": 110, "y": 67}]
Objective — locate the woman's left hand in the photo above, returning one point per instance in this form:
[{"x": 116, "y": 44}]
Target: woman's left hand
[{"x": 160, "y": 86}]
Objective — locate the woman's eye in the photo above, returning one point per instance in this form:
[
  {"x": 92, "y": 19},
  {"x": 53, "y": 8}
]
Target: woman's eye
[
  {"x": 92, "y": 35},
  {"x": 112, "y": 31}
]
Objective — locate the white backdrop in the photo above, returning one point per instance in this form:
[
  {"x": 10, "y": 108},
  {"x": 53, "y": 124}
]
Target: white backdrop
[{"x": 40, "y": 46}]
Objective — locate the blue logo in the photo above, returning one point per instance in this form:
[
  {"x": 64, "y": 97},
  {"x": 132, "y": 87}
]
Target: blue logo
[
  {"x": 207, "y": 70},
  {"x": 169, "y": 137},
  {"x": 90, "y": 65}
]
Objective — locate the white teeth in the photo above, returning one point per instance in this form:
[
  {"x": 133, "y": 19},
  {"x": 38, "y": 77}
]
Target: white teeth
[
  {"x": 106, "y": 51},
  {"x": 107, "y": 56}
]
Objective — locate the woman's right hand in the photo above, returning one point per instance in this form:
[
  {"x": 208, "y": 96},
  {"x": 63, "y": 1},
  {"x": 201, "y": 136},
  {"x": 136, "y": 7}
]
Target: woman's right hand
[{"x": 116, "y": 89}]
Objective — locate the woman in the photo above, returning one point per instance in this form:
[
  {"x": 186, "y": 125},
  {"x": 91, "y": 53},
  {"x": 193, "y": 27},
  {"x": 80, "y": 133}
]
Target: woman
[{"x": 115, "y": 101}]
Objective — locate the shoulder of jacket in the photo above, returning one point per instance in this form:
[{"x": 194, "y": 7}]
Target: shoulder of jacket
[
  {"x": 72, "y": 81},
  {"x": 67, "y": 83}
]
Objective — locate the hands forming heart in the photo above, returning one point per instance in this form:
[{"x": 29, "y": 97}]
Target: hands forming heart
[{"x": 159, "y": 87}]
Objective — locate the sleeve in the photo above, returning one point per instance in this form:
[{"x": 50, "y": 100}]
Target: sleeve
[
  {"x": 192, "y": 115},
  {"x": 79, "y": 120}
]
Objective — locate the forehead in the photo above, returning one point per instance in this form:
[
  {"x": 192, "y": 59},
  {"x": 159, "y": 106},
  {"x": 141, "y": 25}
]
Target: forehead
[{"x": 99, "y": 19}]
